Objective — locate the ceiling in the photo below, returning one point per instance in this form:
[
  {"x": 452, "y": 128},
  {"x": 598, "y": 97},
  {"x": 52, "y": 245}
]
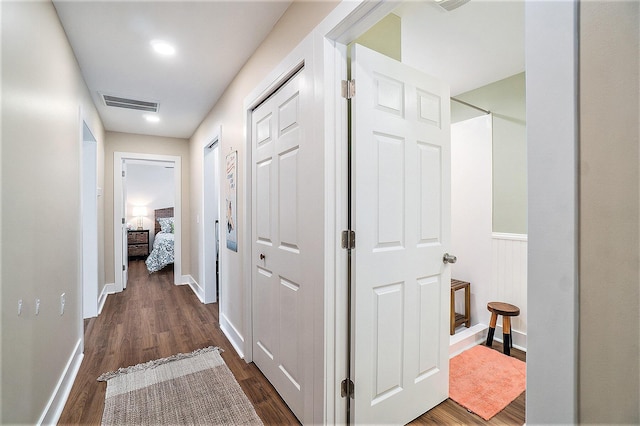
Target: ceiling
[
  {"x": 479, "y": 43},
  {"x": 213, "y": 40}
]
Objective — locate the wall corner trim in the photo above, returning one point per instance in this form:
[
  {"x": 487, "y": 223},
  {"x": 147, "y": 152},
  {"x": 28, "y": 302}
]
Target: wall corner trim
[{"x": 193, "y": 284}]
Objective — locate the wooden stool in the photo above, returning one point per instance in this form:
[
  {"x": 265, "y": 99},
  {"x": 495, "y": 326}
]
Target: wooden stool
[
  {"x": 507, "y": 311},
  {"x": 457, "y": 319}
]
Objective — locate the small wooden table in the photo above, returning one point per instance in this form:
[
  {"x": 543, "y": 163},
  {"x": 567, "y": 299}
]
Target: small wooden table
[{"x": 458, "y": 319}]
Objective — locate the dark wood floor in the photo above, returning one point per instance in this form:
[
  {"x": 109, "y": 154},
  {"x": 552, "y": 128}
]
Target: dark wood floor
[{"x": 153, "y": 319}]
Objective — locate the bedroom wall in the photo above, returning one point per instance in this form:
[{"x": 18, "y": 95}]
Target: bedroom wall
[
  {"x": 42, "y": 94},
  {"x": 299, "y": 19},
  {"x": 144, "y": 144},
  {"x": 152, "y": 186}
]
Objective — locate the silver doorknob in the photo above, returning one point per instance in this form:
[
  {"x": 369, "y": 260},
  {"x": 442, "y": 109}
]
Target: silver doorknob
[{"x": 449, "y": 258}]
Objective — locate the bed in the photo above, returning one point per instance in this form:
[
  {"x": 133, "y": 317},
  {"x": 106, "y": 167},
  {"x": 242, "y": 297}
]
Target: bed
[{"x": 162, "y": 253}]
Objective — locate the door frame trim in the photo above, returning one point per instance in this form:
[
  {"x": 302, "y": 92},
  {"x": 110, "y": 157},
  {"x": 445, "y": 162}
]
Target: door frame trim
[
  {"x": 118, "y": 157},
  {"x": 209, "y": 284},
  {"x": 344, "y": 24},
  {"x": 90, "y": 226}
]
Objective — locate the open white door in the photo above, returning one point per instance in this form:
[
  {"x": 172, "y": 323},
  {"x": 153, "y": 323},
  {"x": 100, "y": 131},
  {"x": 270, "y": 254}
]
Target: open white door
[
  {"x": 401, "y": 217},
  {"x": 125, "y": 237}
]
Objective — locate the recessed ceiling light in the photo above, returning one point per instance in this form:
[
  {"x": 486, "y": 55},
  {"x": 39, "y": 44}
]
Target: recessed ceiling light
[
  {"x": 151, "y": 118},
  {"x": 162, "y": 47}
]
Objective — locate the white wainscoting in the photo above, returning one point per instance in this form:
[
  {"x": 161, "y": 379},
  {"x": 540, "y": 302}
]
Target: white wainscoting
[{"x": 509, "y": 281}]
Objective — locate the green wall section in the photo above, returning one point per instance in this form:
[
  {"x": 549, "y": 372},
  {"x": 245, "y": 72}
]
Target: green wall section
[
  {"x": 506, "y": 100},
  {"x": 384, "y": 37}
]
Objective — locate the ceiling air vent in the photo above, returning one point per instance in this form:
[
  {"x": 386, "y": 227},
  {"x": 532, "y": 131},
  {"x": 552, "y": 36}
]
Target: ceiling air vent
[
  {"x": 449, "y": 5},
  {"x": 119, "y": 102}
]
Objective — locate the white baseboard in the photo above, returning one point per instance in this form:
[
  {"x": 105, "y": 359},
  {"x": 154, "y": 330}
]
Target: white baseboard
[
  {"x": 236, "y": 339},
  {"x": 467, "y": 338},
  {"x": 108, "y": 289},
  {"x": 197, "y": 289},
  {"x": 53, "y": 410},
  {"x": 519, "y": 339}
]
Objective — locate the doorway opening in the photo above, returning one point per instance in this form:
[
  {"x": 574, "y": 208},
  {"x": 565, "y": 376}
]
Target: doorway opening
[
  {"x": 124, "y": 219},
  {"x": 209, "y": 262},
  {"x": 415, "y": 60}
]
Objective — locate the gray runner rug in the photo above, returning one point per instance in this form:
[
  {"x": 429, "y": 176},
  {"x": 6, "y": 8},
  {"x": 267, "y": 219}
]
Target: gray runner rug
[{"x": 194, "y": 388}]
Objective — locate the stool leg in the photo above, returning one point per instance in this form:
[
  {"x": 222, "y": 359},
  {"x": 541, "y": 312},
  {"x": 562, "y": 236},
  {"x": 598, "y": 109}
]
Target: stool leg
[
  {"x": 452, "y": 325},
  {"x": 467, "y": 306},
  {"x": 506, "y": 328},
  {"x": 492, "y": 328}
]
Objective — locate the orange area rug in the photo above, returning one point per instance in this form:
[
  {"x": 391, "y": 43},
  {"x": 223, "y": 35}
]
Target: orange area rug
[{"x": 484, "y": 381}]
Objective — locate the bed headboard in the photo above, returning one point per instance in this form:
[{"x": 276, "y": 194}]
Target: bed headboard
[{"x": 160, "y": 213}]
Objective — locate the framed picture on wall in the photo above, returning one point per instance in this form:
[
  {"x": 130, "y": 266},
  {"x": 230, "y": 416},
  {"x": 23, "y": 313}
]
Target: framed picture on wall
[{"x": 231, "y": 200}]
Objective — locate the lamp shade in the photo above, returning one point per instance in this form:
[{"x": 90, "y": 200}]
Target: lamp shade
[{"x": 139, "y": 211}]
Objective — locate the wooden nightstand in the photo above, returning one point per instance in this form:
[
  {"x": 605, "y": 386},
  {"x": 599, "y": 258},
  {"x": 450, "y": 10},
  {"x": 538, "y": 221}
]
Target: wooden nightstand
[{"x": 138, "y": 242}]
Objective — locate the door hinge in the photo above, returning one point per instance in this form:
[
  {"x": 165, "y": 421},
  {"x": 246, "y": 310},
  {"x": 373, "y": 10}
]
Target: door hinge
[
  {"x": 349, "y": 239},
  {"x": 123, "y": 268},
  {"x": 348, "y": 89},
  {"x": 346, "y": 388},
  {"x": 123, "y": 173},
  {"x": 123, "y": 220}
]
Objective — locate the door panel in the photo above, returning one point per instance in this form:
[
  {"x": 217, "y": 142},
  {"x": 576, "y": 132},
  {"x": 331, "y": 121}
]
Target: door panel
[
  {"x": 287, "y": 224},
  {"x": 401, "y": 210}
]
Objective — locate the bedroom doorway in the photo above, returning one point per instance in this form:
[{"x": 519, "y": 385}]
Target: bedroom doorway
[
  {"x": 124, "y": 218},
  {"x": 209, "y": 265}
]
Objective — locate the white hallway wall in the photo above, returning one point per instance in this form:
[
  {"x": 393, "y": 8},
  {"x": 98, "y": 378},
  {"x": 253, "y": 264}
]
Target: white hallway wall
[
  {"x": 43, "y": 94},
  {"x": 298, "y": 21}
]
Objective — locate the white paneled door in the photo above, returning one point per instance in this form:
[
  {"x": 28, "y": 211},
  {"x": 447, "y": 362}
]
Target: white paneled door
[
  {"x": 287, "y": 238},
  {"x": 401, "y": 216}
]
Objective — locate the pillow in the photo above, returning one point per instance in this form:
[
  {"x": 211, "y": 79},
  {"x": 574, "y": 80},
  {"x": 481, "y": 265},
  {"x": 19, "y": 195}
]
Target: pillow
[{"x": 166, "y": 225}]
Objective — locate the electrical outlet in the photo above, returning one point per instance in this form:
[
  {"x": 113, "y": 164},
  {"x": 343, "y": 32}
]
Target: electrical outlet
[
  {"x": 37, "y": 306},
  {"x": 63, "y": 300},
  {"x": 19, "y": 307}
]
